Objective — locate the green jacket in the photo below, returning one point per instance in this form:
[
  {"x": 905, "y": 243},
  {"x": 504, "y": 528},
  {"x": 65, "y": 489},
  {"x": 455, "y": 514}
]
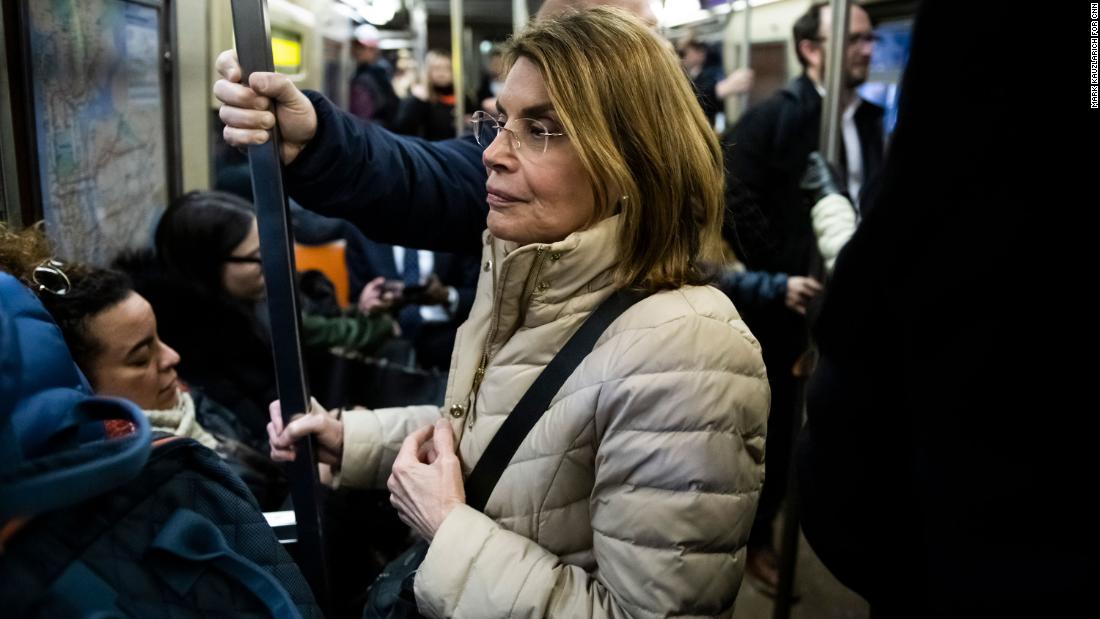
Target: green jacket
[{"x": 353, "y": 331}]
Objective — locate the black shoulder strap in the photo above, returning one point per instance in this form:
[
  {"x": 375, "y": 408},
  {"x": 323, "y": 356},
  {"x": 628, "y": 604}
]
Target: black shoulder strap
[{"x": 480, "y": 483}]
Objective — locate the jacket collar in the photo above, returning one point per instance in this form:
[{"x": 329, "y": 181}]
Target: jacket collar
[
  {"x": 535, "y": 284},
  {"x": 803, "y": 90}
]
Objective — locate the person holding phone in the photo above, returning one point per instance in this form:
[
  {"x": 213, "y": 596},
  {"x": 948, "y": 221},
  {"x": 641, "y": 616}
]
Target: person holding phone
[{"x": 430, "y": 294}]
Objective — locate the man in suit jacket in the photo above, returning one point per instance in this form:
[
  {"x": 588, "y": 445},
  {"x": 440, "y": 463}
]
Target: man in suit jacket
[{"x": 430, "y": 292}]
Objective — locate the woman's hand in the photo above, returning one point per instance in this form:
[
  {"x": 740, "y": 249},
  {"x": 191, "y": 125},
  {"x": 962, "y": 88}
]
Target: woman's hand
[
  {"x": 328, "y": 429},
  {"x": 426, "y": 483}
]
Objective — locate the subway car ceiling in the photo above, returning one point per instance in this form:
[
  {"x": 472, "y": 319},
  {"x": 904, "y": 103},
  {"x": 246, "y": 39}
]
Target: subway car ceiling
[{"x": 97, "y": 137}]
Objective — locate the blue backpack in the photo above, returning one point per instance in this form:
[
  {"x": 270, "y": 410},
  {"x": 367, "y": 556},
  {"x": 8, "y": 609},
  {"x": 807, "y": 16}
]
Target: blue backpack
[{"x": 94, "y": 526}]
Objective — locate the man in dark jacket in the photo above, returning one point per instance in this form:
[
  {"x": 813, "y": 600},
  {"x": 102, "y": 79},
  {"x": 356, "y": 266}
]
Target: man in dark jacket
[{"x": 766, "y": 153}]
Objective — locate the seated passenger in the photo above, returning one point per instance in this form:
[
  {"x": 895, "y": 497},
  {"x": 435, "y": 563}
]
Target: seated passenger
[
  {"x": 208, "y": 297},
  {"x": 633, "y": 493},
  {"x": 112, "y": 334}
]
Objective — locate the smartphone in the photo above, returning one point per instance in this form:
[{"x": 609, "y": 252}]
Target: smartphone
[{"x": 414, "y": 295}]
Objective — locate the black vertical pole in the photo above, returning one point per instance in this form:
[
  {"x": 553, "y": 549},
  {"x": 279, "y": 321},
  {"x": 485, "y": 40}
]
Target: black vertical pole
[
  {"x": 788, "y": 541},
  {"x": 829, "y": 145},
  {"x": 253, "y": 38}
]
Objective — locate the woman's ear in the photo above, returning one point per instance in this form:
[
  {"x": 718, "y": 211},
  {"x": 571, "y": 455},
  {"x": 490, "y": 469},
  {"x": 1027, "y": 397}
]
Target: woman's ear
[{"x": 614, "y": 197}]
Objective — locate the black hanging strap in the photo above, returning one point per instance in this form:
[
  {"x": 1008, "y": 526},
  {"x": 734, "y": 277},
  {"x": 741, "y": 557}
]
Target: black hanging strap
[{"x": 253, "y": 39}]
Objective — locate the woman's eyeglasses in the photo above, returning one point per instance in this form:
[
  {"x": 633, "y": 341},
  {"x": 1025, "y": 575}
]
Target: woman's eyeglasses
[
  {"x": 526, "y": 133},
  {"x": 244, "y": 259},
  {"x": 49, "y": 277},
  {"x": 866, "y": 38}
]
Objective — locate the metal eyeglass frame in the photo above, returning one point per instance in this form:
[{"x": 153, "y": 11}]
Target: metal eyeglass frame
[{"x": 480, "y": 117}]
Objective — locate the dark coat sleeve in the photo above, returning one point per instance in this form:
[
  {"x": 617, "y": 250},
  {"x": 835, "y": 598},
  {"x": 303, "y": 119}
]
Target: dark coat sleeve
[
  {"x": 754, "y": 291},
  {"x": 397, "y": 190}
]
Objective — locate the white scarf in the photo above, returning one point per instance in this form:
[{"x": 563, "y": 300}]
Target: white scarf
[{"x": 180, "y": 421}]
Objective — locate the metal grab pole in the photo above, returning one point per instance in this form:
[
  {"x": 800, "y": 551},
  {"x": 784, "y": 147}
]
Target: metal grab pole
[
  {"x": 829, "y": 143},
  {"x": 785, "y": 596},
  {"x": 418, "y": 23},
  {"x": 253, "y": 39},
  {"x": 746, "y": 50},
  {"x": 519, "y": 15},
  {"x": 456, "y": 64}
]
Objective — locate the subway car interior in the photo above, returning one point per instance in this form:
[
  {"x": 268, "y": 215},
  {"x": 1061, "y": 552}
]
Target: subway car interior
[{"x": 743, "y": 317}]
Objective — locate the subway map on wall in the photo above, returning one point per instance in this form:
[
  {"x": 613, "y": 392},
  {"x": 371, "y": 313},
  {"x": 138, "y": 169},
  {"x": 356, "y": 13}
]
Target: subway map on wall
[{"x": 99, "y": 122}]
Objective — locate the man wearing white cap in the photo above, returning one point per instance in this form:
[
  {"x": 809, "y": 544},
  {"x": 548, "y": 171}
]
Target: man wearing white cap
[{"x": 371, "y": 96}]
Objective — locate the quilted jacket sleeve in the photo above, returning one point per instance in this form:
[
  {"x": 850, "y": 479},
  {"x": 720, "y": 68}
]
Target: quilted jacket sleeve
[
  {"x": 834, "y": 222},
  {"x": 372, "y": 439},
  {"x": 679, "y": 463}
]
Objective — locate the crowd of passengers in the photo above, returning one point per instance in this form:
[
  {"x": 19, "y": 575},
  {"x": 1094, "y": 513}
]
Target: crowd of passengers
[{"x": 642, "y": 490}]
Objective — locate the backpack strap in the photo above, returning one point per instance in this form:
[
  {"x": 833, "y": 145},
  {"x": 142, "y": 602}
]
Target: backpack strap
[
  {"x": 65, "y": 477},
  {"x": 189, "y": 544}
]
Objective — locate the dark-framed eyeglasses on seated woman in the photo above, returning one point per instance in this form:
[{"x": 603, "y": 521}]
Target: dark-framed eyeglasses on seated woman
[{"x": 244, "y": 259}]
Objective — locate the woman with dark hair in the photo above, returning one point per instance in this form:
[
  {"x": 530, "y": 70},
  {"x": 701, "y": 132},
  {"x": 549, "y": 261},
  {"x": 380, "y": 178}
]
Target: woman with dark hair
[
  {"x": 196, "y": 240},
  {"x": 208, "y": 297},
  {"x": 111, "y": 332}
]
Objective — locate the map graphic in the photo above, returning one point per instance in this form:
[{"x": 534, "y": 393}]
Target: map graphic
[{"x": 99, "y": 122}]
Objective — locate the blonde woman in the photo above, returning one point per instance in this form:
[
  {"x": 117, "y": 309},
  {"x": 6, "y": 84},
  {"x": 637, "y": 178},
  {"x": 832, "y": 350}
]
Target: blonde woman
[
  {"x": 429, "y": 109},
  {"x": 634, "y": 492}
]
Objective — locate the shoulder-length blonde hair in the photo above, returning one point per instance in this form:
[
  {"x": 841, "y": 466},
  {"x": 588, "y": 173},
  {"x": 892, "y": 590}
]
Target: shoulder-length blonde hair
[{"x": 641, "y": 136}]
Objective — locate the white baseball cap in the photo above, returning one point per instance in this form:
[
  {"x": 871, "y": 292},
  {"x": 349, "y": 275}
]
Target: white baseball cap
[{"x": 367, "y": 35}]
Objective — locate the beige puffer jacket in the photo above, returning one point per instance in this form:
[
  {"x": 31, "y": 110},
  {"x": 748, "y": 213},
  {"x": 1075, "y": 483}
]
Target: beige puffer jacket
[{"x": 634, "y": 493}]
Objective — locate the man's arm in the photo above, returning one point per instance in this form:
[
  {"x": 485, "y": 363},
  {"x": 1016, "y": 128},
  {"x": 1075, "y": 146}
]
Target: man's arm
[
  {"x": 397, "y": 190},
  {"x": 753, "y": 291}
]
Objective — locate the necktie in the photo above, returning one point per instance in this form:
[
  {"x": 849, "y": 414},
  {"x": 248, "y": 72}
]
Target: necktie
[
  {"x": 409, "y": 316},
  {"x": 411, "y": 272}
]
